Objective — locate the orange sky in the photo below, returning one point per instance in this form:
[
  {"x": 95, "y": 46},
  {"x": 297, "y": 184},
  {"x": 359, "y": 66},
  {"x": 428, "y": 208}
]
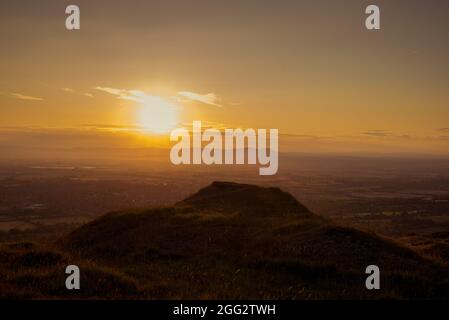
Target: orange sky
[{"x": 308, "y": 68}]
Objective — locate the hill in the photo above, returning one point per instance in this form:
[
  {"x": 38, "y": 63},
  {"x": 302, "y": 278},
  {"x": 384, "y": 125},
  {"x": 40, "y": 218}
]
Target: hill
[{"x": 236, "y": 241}]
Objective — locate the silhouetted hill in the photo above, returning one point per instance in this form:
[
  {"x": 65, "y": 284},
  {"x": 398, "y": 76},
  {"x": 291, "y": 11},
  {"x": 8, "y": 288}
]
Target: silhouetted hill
[
  {"x": 244, "y": 198},
  {"x": 260, "y": 241},
  {"x": 34, "y": 271},
  {"x": 238, "y": 241}
]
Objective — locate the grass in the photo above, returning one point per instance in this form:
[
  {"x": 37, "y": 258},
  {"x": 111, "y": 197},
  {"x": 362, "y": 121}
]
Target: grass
[{"x": 201, "y": 250}]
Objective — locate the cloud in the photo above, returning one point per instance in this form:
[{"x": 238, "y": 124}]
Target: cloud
[
  {"x": 116, "y": 92},
  {"x": 386, "y": 134},
  {"x": 305, "y": 136},
  {"x": 139, "y": 96},
  {"x": 21, "y": 96},
  {"x": 377, "y": 133},
  {"x": 133, "y": 95},
  {"x": 24, "y": 97},
  {"x": 206, "y": 125},
  {"x": 109, "y": 127},
  {"x": 210, "y": 98},
  {"x": 86, "y": 94}
]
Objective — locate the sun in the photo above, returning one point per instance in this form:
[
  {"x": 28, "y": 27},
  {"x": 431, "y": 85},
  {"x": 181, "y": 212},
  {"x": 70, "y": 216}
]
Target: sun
[{"x": 157, "y": 115}]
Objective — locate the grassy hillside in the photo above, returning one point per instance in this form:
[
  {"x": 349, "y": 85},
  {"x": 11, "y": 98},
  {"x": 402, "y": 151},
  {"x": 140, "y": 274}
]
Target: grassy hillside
[{"x": 226, "y": 241}]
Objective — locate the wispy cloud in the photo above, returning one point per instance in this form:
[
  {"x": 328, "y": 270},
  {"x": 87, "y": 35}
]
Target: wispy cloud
[
  {"x": 181, "y": 96},
  {"x": 24, "y": 97},
  {"x": 377, "y": 133},
  {"x": 109, "y": 127},
  {"x": 116, "y": 92},
  {"x": 69, "y": 90},
  {"x": 21, "y": 96},
  {"x": 386, "y": 134},
  {"x": 210, "y": 98},
  {"x": 133, "y": 95}
]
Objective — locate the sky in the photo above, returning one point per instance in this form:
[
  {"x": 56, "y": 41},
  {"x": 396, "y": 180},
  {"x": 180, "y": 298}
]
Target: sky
[{"x": 137, "y": 69}]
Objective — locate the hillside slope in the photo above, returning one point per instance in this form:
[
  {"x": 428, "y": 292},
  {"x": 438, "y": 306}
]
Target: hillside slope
[
  {"x": 227, "y": 241},
  {"x": 241, "y": 241}
]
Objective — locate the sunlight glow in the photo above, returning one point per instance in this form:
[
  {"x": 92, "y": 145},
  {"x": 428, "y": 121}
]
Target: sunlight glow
[{"x": 156, "y": 115}]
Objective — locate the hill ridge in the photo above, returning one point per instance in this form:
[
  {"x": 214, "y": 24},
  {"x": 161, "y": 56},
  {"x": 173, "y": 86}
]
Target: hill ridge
[
  {"x": 246, "y": 198},
  {"x": 201, "y": 245}
]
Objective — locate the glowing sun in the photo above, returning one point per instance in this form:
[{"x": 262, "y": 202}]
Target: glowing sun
[{"x": 156, "y": 115}]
